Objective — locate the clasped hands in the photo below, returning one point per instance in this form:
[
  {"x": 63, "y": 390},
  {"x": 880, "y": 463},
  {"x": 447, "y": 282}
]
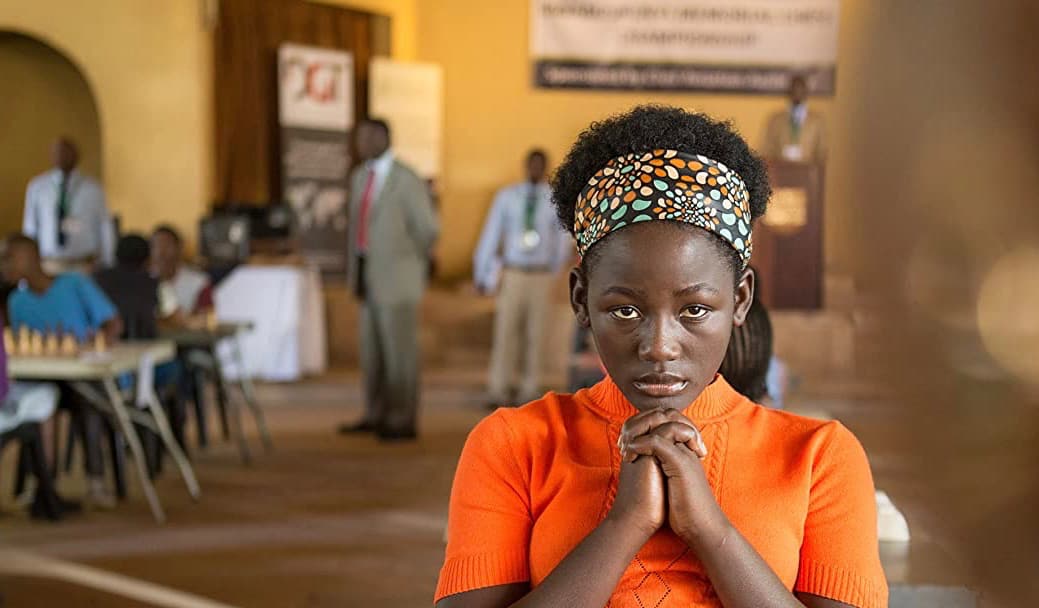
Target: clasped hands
[{"x": 662, "y": 479}]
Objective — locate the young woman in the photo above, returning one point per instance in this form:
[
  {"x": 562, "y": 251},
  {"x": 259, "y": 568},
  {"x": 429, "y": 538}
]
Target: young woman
[{"x": 661, "y": 486}]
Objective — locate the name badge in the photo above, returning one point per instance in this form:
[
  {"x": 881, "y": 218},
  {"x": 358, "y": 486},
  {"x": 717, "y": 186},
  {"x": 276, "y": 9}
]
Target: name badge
[
  {"x": 531, "y": 239},
  {"x": 793, "y": 152},
  {"x": 71, "y": 225}
]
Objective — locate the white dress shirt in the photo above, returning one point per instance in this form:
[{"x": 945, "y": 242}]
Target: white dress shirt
[
  {"x": 88, "y": 227},
  {"x": 798, "y": 114},
  {"x": 381, "y": 165}
]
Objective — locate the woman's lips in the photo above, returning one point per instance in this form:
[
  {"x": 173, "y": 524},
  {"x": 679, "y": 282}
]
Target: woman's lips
[{"x": 660, "y": 389}]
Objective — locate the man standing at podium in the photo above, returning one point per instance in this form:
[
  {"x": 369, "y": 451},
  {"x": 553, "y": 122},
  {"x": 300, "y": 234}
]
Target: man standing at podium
[{"x": 796, "y": 134}]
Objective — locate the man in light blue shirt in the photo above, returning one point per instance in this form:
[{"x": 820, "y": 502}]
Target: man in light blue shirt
[
  {"x": 521, "y": 250},
  {"x": 65, "y": 213}
]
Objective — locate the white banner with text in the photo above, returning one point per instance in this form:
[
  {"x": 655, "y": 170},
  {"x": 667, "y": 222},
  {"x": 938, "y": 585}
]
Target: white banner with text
[{"x": 749, "y": 46}]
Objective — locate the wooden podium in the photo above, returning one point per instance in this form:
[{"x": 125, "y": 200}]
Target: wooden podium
[{"x": 788, "y": 243}]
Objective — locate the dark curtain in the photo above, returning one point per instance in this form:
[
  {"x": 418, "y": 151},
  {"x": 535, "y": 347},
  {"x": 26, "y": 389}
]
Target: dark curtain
[{"x": 246, "y": 89}]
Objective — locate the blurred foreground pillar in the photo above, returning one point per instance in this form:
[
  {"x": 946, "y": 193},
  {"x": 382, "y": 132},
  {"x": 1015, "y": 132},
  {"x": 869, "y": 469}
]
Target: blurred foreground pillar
[{"x": 943, "y": 132}]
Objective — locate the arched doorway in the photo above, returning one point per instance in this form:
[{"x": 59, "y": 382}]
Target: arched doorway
[{"x": 46, "y": 96}]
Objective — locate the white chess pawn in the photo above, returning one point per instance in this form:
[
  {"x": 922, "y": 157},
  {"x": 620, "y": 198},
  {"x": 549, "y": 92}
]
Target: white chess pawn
[
  {"x": 99, "y": 343},
  {"x": 9, "y": 344},
  {"x": 51, "y": 345},
  {"x": 24, "y": 345},
  {"x": 36, "y": 344},
  {"x": 69, "y": 347}
]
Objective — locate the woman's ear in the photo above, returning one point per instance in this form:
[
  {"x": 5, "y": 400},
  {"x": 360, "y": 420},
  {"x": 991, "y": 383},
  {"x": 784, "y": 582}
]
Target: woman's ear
[
  {"x": 744, "y": 296},
  {"x": 579, "y": 296}
]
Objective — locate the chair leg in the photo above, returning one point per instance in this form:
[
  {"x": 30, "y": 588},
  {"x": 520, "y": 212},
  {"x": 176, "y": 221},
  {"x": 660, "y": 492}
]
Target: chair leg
[
  {"x": 176, "y": 412},
  {"x": 75, "y": 429},
  {"x": 22, "y": 475},
  {"x": 4, "y": 438},
  {"x": 115, "y": 444},
  {"x": 150, "y": 443},
  {"x": 56, "y": 443},
  {"x": 221, "y": 400},
  {"x": 158, "y": 453},
  {"x": 198, "y": 397}
]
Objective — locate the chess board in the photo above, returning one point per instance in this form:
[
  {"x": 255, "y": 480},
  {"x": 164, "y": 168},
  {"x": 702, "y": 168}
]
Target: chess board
[
  {"x": 89, "y": 364},
  {"x": 28, "y": 343}
]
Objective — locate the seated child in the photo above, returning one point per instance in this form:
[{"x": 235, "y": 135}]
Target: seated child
[{"x": 69, "y": 303}]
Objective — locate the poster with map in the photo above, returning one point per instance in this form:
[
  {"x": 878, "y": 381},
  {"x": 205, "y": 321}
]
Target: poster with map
[{"x": 316, "y": 113}]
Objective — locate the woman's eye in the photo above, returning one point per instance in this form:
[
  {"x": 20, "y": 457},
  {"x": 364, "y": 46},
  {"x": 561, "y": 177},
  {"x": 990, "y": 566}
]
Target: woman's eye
[
  {"x": 694, "y": 312},
  {"x": 625, "y": 313}
]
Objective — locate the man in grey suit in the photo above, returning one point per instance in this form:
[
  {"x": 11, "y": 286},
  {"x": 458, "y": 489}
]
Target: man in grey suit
[{"x": 393, "y": 228}]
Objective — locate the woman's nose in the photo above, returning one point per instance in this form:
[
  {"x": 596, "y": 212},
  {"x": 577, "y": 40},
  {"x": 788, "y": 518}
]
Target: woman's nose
[{"x": 660, "y": 341}]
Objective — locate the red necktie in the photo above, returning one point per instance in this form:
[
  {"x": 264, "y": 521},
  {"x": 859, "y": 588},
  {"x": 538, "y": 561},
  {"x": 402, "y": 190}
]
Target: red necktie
[{"x": 362, "y": 217}]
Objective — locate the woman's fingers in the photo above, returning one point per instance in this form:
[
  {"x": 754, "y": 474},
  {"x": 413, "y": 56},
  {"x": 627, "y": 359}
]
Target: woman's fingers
[
  {"x": 678, "y": 429},
  {"x": 680, "y": 432},
  {"x": 673, "y": 458},
  {"x": 644, "y": 422}
]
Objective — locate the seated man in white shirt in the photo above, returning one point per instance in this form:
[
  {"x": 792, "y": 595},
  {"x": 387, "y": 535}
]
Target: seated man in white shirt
[
  {"x": 192, "y": 292},
  {"x": 189, "y": 285}
]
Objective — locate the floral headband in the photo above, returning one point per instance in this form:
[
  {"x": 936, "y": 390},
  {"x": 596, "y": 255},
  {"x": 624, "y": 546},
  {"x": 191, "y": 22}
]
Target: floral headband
[{"x": 664, "y": 185}]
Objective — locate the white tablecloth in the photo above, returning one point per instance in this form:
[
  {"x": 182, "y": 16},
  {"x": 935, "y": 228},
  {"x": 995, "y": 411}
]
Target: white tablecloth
[{"x": 285, "y": 305}]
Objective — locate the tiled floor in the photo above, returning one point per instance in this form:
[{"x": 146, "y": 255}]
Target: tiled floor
[{"x": 332, "y": 521}]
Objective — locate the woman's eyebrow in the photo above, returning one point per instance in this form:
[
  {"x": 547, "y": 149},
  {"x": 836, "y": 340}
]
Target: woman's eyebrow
[
  {"x": 697, "y": 288},
  {"x": 623, "y": 291}
]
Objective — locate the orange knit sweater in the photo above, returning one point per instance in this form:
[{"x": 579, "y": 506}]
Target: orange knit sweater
[{"x": 532, "y": 482}]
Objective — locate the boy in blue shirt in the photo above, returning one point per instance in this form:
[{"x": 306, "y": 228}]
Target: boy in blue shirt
[{"x": 68, "y": 303}]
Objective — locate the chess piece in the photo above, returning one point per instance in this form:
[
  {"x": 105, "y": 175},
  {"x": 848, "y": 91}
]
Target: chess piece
[
  {"x": 36, "y": 344},
  {"x": 10, "y": 346},
  {"x": 51, "y": 345},
  {"x": 24, "y": 341},
  {"x": 69, "y": 347},
  {"x": 100, "y": 345},
  {"x": 211, "y": 321}
]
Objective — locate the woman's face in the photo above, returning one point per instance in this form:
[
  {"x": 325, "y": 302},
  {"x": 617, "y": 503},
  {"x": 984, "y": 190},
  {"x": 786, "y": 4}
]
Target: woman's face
[{"x": 661, "y": 305}]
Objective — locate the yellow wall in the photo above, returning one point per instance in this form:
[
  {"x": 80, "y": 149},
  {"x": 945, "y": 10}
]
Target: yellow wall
[
  {"x": 51, "y": 99},
  {"x": 148, "y": 64},
  {"x": 494, "y": 114}
]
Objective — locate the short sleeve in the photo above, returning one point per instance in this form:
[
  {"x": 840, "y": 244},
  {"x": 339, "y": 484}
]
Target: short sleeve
[
  {"x": 15, "y": 310},
  {"x": 167, "y": 300},
  {"x": 98, "y": 307},
  {"x": 489, "y": 521},
  {"x": 840, "y": 555}
]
